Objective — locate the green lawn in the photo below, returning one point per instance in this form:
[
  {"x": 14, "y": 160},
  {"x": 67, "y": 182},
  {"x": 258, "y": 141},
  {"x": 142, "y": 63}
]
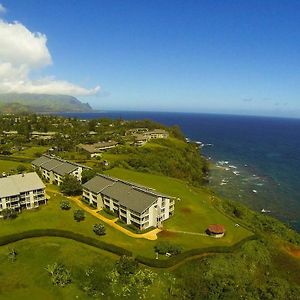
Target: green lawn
[
  {"x": 113, "y": 157},
  {"x": 193, "y": 212},
  {"x": 30, "y": 151},
  {"x": 7, "y": 165},
  {"x": 52, "y": 216},
  {"x": 26, "y": 278}
]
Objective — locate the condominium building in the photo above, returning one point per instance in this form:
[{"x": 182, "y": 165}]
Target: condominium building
[
  {"x": 96, "y": 149},
  {"x": 53, "y": 169},
  {"x": 132, "y": 203},
  {"x": 157, "y": 134},
  {"x": 22, "y": 191}
]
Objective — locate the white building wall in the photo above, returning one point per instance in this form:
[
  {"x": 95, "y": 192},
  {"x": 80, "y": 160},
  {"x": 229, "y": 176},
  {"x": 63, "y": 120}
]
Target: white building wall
[{"x": 29, "y": 201}]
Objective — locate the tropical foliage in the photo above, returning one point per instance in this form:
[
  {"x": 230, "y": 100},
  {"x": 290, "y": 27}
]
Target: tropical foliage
[
  {"x": 65, "y": 205},
  {"x": 70, "y": 186},
  {"x": 79, "y": 215},
  {"x": 99, "y": 229},
  {"x": 60, "y": 275}
]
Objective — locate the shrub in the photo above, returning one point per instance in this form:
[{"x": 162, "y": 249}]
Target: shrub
[
  {"x": 126, "y": 265},
  {"x": 60, "y": 275},
  {"x": 237, "y": 213},
  {"x": 166, "y": 247},
  {"x": 99, "y": 229},
  {"x": 12, "y": 254},
  {"x": 9, "y": 213},
  {"x": 65, "y": 205},
  {"x": 21, "y": 168},
  {"x": 79, "y": 215},
  {"x": 110, "y": 212}
]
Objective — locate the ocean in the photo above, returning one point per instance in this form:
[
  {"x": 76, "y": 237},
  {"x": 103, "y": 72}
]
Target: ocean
[{"x": 257, "y": 159}]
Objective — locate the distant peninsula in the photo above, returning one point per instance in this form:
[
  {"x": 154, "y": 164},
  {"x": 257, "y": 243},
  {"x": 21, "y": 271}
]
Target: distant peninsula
[{"x": 41, "y": 103}]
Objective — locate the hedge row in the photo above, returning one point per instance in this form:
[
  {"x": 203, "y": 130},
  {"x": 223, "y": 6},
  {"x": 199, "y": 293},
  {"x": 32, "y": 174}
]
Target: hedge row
[
  {"x": 156, "y": 263},
  {"x": 4, "y": 240},
  {"x": 174, "y": 260},
  {"x": 18, "y": 159}
]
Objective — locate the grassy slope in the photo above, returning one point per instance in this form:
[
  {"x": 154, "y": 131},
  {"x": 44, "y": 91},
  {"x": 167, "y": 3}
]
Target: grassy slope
[
  {"x": 51, "y": 216},
  {"x": 7, "y": 165},
  {"x": 193, "y": 212},
  {"x": 30, "y": 151},
  {"x": 26, "y": 278},
  {"x": 189, "y": 216}
]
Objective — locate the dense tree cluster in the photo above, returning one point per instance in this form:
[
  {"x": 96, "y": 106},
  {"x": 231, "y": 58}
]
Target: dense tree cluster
[
  {"x": 70, "y": 186},
  {"x": 170, "y": 158}
]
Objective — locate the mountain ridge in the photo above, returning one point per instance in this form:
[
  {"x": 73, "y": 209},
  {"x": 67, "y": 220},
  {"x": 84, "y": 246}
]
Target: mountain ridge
[{"x": 26, "y": 102}]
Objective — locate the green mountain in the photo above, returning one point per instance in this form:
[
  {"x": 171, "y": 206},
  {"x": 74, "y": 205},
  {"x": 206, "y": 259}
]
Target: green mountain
[{"x": 20, "y": 103}]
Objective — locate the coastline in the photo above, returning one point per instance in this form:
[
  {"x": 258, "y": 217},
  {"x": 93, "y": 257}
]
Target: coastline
[{"x": 241, "y": 141}]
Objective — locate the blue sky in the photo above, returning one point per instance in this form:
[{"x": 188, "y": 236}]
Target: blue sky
[{"x": 196, "y": 56}]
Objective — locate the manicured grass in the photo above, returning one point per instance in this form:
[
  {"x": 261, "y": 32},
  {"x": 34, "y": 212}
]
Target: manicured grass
[
  {"x": 52, "y": 216},
  {"x": 113, "y": 157},
  {"x": 193, "y": 212},
  {"x": 26, "y": 278},
  {"x": 7, "y": 165},
  {"x": 30, "y": 151}
]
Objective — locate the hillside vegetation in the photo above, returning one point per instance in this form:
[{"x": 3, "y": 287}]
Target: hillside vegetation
[{"x": 172, "y": 157}]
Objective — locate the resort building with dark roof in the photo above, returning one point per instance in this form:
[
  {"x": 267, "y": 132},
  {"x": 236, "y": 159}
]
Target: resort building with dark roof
[
  {"x": 143, "y": 135},
  {"x": 97, "y": 148},
  {"x": 22, "y": 191},
  {"x": 132, "y": 203},
  {"x": 53, "y": 169},
  {"x": 43, "y": 135},
  {"x": 157, "y": 134}
]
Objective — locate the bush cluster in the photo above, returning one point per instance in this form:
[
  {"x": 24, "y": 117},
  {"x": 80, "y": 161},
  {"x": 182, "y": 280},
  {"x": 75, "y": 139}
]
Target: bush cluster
[
  {"x": 65, "y": 205},
  {"x": 99, "y": 229},
  {"x": 166, "y": 247}
]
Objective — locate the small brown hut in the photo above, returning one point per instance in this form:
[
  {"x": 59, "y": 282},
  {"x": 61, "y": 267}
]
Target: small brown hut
[{"x": 216, "y": 230}]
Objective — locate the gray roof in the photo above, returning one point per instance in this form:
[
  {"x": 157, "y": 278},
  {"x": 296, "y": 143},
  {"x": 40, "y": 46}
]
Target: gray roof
[
  {"x": 16, "y": 184},
  {"x": 97, "y": 147},
  {"x": 41, "y": 160},
  {"x": 130, "y": 195},
  {"x": 57, "y": 165},
  {"x": 64, "y": 168},
  {"x": 51, "y": 164},
  {"x": 98, "y": 183}
]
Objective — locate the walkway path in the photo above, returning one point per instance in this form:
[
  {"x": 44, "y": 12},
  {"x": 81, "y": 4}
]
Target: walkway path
[
  {"x": 151, "y": 235},
  {"x": 187, "y": 232}
]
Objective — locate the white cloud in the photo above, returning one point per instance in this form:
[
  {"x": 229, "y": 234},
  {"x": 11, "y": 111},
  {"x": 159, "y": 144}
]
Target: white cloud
[
  {"x": 2, "y": 9},
  {"x": 22, "y": 51}
]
